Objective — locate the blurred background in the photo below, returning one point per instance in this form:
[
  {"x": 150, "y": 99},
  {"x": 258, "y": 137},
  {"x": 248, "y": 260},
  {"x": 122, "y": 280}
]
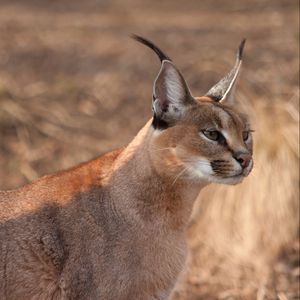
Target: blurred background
[{"x": 73, "y": 85}]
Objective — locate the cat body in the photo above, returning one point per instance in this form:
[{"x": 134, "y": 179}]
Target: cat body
[
  {"x": 85, "y": 244},
  {"x": 114, "y": 227}
]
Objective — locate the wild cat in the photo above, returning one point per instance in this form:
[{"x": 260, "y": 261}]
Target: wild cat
[{"x": 114, "y": 227}]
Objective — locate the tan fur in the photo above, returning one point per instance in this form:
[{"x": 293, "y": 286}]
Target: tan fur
[{"x": 114, "y": 228}]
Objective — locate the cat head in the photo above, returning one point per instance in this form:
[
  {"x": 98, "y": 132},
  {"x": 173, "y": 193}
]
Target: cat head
[{"x": 198, "y": 138}]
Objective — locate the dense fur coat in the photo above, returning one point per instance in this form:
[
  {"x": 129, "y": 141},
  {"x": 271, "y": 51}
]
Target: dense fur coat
[{"x": 113, "y": 228}]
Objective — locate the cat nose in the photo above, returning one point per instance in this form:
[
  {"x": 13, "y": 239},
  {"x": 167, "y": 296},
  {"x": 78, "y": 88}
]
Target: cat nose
[{"x": 244, "y": 158}]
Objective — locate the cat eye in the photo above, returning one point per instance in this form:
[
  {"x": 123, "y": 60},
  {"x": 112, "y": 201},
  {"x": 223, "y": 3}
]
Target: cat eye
[
  {"x": 245, "y": 135},
  {"x": 213, "y": 135}
]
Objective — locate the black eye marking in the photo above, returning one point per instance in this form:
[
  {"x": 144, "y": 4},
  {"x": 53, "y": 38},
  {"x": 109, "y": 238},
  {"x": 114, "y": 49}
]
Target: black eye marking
[{"x": 215, "y": 135}]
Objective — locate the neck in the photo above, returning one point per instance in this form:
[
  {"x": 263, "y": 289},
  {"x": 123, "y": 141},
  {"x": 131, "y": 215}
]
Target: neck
[{"x": 149, "y": 195}]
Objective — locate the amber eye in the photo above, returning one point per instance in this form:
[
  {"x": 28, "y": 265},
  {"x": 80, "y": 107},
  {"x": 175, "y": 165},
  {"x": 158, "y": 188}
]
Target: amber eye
[
  {"x": 245, "y": 135},
  {"x": 213, "y": 135}
]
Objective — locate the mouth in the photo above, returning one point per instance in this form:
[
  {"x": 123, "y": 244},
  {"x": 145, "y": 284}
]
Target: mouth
[
  {"x": 241, "y": 174},
  {"x": 206, "y": 172},
  {"x": 236, "y": 178}
]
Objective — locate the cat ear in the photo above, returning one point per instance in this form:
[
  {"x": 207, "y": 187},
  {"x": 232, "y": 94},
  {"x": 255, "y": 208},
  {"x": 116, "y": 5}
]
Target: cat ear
[
  {"x": 223, "y": 91},
  {"x": 171, "y": 94}
]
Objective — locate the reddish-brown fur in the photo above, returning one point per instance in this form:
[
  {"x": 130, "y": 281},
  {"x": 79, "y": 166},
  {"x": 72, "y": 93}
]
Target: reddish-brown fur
[
  {"x": 30, "y": 218},
  {"x": 114, "y": 227},
  {"x": 51, "y": 220}
]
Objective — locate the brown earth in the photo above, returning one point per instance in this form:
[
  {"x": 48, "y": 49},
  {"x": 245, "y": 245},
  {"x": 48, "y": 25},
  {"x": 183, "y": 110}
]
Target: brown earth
[{"x": 74, "y": 85}]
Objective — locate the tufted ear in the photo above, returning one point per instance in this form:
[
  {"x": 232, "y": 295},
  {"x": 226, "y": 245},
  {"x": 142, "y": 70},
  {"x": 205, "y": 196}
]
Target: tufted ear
[
  {"x": 171, "y": 94},
  {"x": 223, "y": 91}
]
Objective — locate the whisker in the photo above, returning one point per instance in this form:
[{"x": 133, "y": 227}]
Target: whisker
[{"x": 180, "y": 173}]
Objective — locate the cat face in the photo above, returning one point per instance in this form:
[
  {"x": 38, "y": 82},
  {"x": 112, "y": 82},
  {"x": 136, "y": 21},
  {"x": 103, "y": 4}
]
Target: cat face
[
  {"x": 212, "y": 142},
  {"x": 202, "y": 138}
]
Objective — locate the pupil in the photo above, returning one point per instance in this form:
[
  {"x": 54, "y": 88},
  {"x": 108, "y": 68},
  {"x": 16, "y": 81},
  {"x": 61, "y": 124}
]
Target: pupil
[{"x": 214, "y": 135}]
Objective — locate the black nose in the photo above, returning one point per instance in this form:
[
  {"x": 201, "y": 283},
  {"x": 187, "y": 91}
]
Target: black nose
[{"x": 243, "y": 158}]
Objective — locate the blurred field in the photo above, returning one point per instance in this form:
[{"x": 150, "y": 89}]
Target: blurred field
[{"x": 73, "y": 85}]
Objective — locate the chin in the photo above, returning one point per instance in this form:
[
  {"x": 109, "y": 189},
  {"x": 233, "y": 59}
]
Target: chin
[
  {"x": 232, "y": 180},
  {"x": 228, "y": 180}
]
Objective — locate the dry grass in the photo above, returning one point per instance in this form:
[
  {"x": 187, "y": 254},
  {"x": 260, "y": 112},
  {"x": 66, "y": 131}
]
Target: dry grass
[{"x": 72, "y": 85}]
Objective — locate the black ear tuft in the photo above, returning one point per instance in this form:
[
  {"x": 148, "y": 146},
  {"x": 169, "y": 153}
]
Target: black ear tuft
[
  {"x": 241, "y": 49},
  {"x": 224, "y": 89},
  {"x": 171, "y": 95},
  {"x": 162, "y": 56}
]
